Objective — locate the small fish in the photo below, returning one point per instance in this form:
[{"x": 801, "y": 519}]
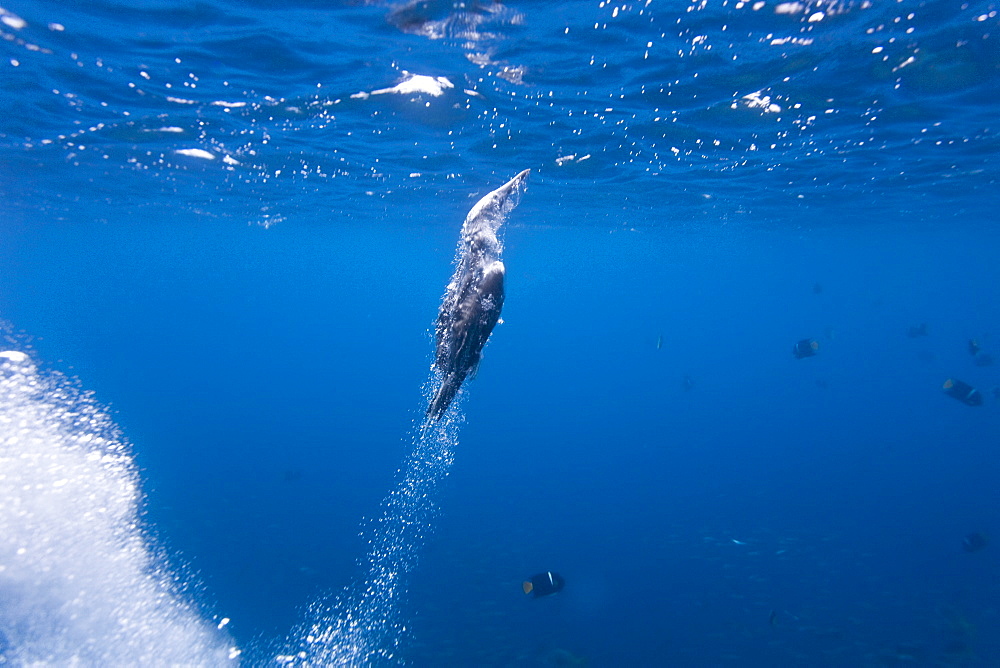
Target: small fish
[
  {"x": 805, "y": 348},
  {"x": 975, "y": 541},
  {"x": 964, "y": 392},
  {"x": 543, "y": 584}
]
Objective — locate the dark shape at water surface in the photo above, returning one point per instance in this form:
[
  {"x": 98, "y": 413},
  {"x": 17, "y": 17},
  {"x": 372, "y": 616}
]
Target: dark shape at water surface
[
  {"x": 964, "y": 392},
  {"x": 975, "y": 541},
  {"x": 916, "y": 331},
  {"x": 437, "y": 19},
  {"x": 543, "y": 584},
  {"x": 805, "y": 348},
  {"x": 474, "y": 297}
]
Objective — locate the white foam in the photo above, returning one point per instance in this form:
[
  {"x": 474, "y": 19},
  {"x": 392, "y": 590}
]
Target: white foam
[
  {"x": 195, "y": 153},
  {"x": 12, "y": 20},
  {"x": 789, "y": 8},
  {"x": 758, "y": 100},
  {"x": 418, "y": 83},
  {"x": 81, "y": 584}
]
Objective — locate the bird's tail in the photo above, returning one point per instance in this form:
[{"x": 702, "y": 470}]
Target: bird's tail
[{"x": 443, "y": 397}]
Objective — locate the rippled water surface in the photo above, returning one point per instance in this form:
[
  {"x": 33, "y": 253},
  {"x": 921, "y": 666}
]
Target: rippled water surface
[{"x": 662, "y": 104}]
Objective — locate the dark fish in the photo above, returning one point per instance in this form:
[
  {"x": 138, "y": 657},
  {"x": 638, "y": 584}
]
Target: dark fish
[
  {"x": 805, "y": 348},
  {"x": 474, "y": 297},
  {"x": 543, "y": 584},
  {"x": 964, "y": 392},
  {"x": 975, "y": 541},
  {"x": 982, "y": 359}
]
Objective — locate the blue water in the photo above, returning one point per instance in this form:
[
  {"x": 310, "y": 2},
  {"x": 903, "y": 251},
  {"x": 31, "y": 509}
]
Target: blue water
[{"x": 225, "y": 230}]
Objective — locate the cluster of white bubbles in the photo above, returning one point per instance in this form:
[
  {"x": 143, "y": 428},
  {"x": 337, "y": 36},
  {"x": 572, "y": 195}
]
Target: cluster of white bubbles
[{"x": 81, "y": 583}]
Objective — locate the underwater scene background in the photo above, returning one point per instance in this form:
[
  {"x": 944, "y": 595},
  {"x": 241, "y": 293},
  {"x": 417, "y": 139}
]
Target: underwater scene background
[{"x": 225, "y": 231}]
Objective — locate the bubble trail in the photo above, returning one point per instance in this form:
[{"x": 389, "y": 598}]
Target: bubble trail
[{"x": 363, "y": 626}]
